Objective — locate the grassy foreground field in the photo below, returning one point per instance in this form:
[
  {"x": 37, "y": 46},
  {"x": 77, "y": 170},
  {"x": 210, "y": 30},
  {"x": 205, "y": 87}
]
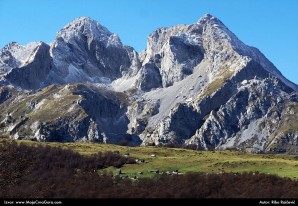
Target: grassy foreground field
[{"x": 170, "y": 159}]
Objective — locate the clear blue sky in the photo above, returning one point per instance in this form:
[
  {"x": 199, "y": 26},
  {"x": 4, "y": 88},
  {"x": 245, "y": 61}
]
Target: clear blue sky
[{"x": 270, "y": 25}]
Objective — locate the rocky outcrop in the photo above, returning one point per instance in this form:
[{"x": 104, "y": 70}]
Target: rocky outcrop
[
  {"x": 86, "y": 51},
  {"x": 75, "y": 112},
  {"x": 33, "y": 73},
  {"x": 150, "y": 77},
  {"x": 249, "y": 119},
  {"x": 176, "y": 51}
]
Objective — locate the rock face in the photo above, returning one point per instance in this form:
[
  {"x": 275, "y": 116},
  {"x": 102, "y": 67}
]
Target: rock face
[
  {"x": 86, "y": 51},
  {"x": 25, "y": 66},
  {"x": 195, "y": 85},
  {"x": 175, "y": 52},
  {"x": 83, "y": 51},
  {"x": 74, "y": 112}
]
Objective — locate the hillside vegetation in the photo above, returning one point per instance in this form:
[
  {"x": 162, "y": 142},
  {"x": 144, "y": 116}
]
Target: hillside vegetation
[
  {"x": 169, "y": 159},
  {"x": 37, "y": 170},
  {"x": 183, "y": 160}
]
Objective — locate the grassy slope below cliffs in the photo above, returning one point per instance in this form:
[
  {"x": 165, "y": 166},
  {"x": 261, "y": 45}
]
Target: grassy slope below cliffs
[
  {"x": 183, "y": 160},
  {"x": 55, "y": 170}
]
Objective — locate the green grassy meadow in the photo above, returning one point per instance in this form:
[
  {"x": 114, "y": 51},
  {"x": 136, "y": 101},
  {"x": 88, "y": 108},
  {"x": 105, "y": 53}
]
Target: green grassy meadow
[{"x": 183, "y": 160}]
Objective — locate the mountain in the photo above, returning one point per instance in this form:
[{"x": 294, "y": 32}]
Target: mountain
[
  {"x": 195, "y": 85},
  {"x": 83, "y": 51}
]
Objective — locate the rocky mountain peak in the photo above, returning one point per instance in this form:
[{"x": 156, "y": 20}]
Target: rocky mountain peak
[
  {"x": 89, "y": 28},
  {"x": 176, "y": 51},
  {"x": 15, "y": 55},
  {"x": 82, "y": 24},
  {"x": 208, "y": 18},
  {"x": 221, "y": 44},
  {"x": 10, "y": 46},
  {"x": 214, "y": 30},
  {"x": 86, "y": 51}
]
